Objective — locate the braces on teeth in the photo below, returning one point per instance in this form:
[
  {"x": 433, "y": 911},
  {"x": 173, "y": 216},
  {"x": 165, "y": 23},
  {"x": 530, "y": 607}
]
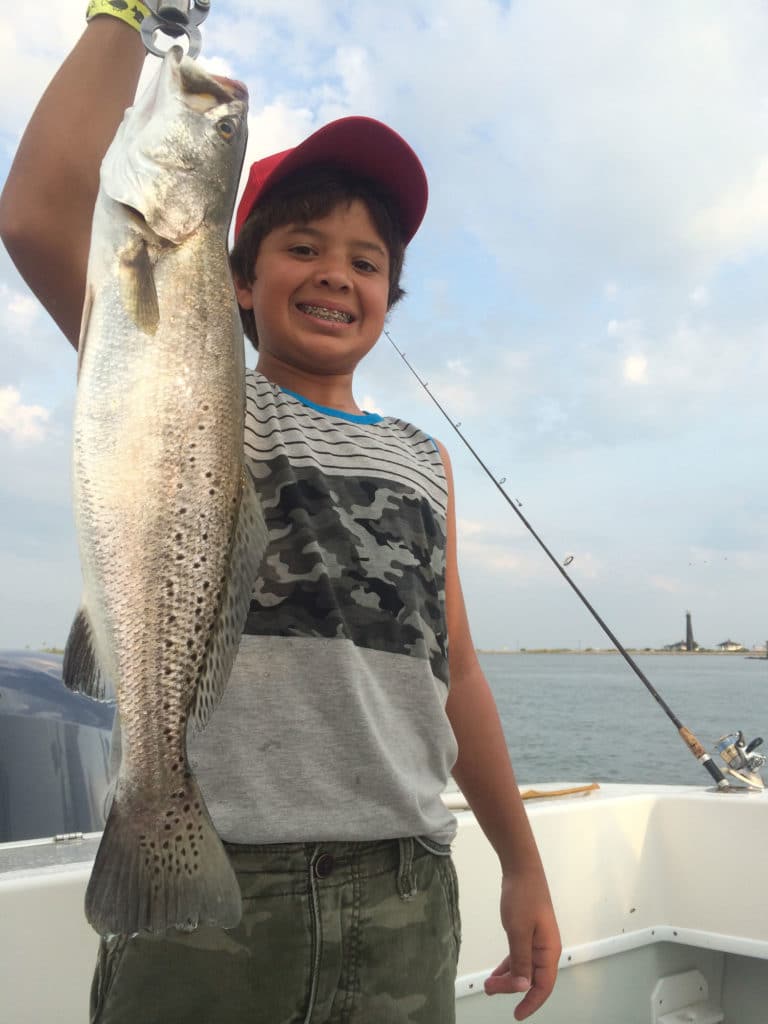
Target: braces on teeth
[{"x": 327, "y": 314}]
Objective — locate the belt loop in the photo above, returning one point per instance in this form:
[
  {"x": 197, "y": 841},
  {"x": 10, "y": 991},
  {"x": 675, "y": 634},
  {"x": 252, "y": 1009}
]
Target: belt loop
[{"x": 406, "y": 878}]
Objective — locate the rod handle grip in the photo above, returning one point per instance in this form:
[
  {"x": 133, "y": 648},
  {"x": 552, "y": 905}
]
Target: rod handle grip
[{"x": 715, "y": 772}]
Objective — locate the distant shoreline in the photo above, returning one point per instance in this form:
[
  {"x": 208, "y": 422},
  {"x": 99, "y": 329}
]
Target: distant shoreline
[
  {"x": 757, "y": 655},
  {"x": 747, "y": 653}
]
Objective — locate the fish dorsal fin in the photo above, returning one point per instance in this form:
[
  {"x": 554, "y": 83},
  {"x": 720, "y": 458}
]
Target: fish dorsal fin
[
  {"x": 81, "y": 670},
  {"x": 137, "y": 288},
  {"x": 248, "y": 547}
]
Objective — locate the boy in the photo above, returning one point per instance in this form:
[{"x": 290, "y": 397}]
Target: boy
[{"x": 324, "y": 764}]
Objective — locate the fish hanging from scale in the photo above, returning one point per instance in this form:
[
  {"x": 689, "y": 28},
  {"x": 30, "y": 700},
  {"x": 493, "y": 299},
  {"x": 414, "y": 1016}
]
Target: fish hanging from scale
[{"x": 169, "y": 526}]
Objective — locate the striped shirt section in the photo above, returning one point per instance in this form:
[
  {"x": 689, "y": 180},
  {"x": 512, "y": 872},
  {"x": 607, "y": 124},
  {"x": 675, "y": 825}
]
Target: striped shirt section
[{"x": 279, "y": 422}]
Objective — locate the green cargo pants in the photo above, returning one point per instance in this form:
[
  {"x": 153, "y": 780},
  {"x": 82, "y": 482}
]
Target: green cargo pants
[{"x": 332, "y": 933}]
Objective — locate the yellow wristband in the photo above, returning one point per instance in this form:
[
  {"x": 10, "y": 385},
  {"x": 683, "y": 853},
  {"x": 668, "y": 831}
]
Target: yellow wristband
[{"x": 132, "y": 12}]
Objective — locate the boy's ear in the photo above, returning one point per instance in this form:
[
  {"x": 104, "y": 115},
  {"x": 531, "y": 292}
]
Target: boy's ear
[{"x": 244, "y": 292}]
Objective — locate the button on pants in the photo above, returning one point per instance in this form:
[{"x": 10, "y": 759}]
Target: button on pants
[{"x": 331, "y": 933}]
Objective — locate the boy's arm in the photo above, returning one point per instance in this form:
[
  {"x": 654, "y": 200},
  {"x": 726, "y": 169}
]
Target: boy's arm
[
  {"x": 47, "y": 203},
  {"x": 484, "y": 773}
]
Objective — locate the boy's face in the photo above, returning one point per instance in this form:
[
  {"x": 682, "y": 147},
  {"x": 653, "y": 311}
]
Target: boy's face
[{"x": 320, "y": 291}]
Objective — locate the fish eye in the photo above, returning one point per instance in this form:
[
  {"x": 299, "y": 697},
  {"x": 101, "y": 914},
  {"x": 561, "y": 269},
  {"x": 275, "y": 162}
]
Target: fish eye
[{"x": 226, "y": 128}]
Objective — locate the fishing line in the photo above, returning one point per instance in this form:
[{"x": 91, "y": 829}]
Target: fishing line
[{"x": 685, "y": 734}]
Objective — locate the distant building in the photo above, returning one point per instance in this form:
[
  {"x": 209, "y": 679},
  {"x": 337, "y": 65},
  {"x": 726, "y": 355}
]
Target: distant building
[
  {"x": 689, "y": 644},
  {"x": 731, "y": 645}
]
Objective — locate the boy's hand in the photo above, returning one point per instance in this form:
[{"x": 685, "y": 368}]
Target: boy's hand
[{"x": 534, "y": 942}]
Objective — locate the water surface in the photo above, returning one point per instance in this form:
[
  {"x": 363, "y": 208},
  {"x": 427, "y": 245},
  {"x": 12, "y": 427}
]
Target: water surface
[{"x": 588, "y": 716}]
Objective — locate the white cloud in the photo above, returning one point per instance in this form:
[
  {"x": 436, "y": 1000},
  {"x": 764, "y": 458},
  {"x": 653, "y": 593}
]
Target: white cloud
[
  {"x": 624, "y": 329},
  {"x": 370, "y": 404},
  {"x": 665, "y": 584},
  {"x": 699, "y": 296},
  {"x": 549, "y": 416},
  {"x": 458, "y": 366},
  {"x": 459, "y": 400},
  {"x": 468, "y": 528},
  {"x": 487, "y": 547},
  {"x": 217, "y": 65},
  {"x": 31, "y": 56},
  {"x": 275, "y": 127},
  {"x": 636, "y": 369},
  {"x": 353, "y": 64},
  {"x": 22, "y": 422},
  {"x": 738, "y": 219},
  {"x": 18, "y": 310}
]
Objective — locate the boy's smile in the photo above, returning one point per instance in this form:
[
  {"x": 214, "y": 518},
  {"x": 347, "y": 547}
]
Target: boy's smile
[
  {"x": 319, "y": 297},
  {"x": 325, "y": 312}
]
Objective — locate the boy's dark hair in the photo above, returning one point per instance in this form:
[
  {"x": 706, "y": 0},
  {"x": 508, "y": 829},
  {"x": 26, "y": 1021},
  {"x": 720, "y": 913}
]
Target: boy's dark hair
[{"x": 310, "y": 194}]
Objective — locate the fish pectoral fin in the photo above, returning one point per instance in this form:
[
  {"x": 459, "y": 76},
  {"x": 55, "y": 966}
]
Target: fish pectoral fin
[
  {"x": 81, "y": 670},
  {"x": 246, "y": 552},
  {"x": 138, "y": 290}
]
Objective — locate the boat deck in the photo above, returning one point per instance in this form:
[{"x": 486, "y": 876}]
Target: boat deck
[{"x": 646, "y": 881}]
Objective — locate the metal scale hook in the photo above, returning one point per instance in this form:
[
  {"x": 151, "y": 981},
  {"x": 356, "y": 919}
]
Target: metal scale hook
[{"x": 175, "y": 18}]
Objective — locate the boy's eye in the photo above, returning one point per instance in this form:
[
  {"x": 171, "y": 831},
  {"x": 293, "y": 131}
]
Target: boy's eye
[
  {"x": 302, "y": 250},
  {"x": 366, "y": 266}
]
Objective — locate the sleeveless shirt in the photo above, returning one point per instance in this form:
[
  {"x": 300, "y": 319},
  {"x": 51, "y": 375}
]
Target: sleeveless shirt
[{"x": 333, "y": 723}]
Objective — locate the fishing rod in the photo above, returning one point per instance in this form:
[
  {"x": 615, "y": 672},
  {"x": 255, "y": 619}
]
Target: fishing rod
[{"x": 742, "y": 762}]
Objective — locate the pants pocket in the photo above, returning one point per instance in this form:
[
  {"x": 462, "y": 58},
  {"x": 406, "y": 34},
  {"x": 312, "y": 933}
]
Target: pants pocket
[{"x": 450, "y": 885}]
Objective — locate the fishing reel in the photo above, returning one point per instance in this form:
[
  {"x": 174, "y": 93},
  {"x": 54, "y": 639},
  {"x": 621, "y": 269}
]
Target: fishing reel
[
  {"x": 175, "y": 18},
  {"x": 741, "y": 761}
]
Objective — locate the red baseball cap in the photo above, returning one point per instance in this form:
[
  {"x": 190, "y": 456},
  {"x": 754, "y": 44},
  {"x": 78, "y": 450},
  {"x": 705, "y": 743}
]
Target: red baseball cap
[{"x": 358, "y": 144}]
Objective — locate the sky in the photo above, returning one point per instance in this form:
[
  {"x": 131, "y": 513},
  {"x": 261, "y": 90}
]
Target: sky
[{"x": 586, "y": 296}]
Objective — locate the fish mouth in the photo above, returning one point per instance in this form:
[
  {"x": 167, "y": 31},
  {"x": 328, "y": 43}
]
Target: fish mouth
[
  {"x": 197, "y": 88},
  {"x": 337, "y": 316},
  {"x": 207, "y": 90},
  {"x": 238, "y": 90}
]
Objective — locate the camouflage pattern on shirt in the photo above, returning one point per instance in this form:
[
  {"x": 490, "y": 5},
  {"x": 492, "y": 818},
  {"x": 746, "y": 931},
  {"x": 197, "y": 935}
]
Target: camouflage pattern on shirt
[
  {"x": 350, "y": 557},
  {"x": 356, "y": 512}
]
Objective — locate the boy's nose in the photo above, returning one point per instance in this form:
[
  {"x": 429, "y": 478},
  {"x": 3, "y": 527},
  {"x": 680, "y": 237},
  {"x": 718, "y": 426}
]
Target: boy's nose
[{"x": 333, "y": 277}]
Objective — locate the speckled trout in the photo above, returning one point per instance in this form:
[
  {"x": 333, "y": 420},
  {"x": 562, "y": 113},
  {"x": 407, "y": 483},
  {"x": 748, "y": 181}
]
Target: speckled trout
[{"x": 169, "y": 527}]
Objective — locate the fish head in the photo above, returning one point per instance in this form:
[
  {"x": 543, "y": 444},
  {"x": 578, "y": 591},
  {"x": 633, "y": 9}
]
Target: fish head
[{"x": 177, "y": 155}]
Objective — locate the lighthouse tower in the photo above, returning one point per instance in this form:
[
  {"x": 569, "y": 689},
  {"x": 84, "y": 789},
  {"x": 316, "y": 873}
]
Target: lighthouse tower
[{"x": 690, "y": 643}]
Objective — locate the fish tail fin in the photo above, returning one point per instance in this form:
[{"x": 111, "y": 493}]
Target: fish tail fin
[{"x": 161, "y": 868}]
